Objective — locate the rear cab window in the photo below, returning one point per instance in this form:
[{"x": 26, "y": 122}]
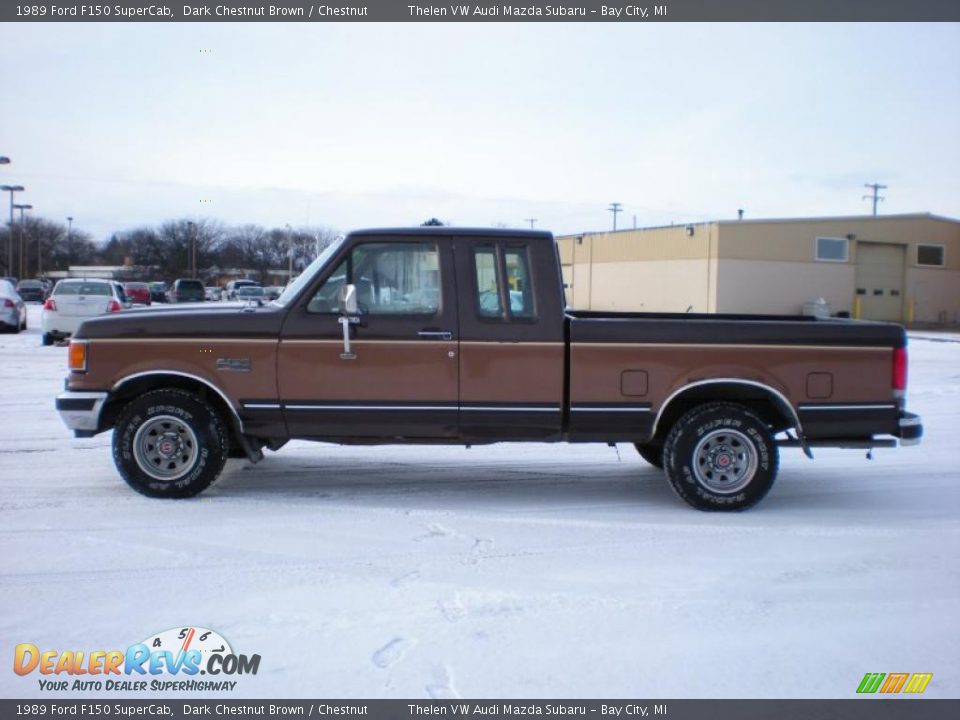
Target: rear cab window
[{"x": 503, "y": 283}]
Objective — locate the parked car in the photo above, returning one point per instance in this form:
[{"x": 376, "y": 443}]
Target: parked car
[
  {"x": 138, "y": 292},
  {"x": 234, "y": 285},
  {"x": 272, "y": 292},
  {"x": 186, "y": 290},
  {"x": 32, "y": 290},
  {"x": 213, "y": 293},
  {"x": 247, "y": 293},
  {"x": 13, "y": 312},
  {"x": 158, "y": 292},
  {"x": 73, "y": 301}
]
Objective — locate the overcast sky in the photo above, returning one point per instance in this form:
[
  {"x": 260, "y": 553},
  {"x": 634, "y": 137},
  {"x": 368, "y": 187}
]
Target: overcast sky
[{"x": 353, "y": 125}]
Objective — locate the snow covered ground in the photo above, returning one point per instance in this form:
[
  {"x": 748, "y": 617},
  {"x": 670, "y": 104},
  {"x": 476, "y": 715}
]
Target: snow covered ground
[{"x": 515, "y": 571}]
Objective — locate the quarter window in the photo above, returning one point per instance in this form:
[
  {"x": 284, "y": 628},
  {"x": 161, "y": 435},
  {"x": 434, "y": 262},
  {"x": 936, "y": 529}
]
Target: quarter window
[
  {"x": 391, "y": 279},
  {"x": 932, "y": 255},
  {"x": 488, "y": 281},
  {"x": 833, "y": 249},
  {"x": 518, "y": 280}
]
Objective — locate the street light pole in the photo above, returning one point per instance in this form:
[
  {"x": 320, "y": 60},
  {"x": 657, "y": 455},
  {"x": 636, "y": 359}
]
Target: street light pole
[
  {"x": 289, "y": 253},
  {"x": 23, "y": 260},
  {"x": 192, "y": 259},
  {"x": 11, "y": 189},
  {"x": 69, "y": 241}
]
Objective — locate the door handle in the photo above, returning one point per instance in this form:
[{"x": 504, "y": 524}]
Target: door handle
[{"x": 435, "y": 335}]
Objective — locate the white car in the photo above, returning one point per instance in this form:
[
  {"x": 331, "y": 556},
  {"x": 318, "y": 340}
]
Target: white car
[
  {"x": 13, "y": 313},
  {"x": 72, "y": 302}
]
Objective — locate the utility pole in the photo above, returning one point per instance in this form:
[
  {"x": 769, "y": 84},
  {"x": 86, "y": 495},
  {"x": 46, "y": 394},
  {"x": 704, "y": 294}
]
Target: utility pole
[
  {"x": 615, "y": 208},
  {"x": 876, "y": 187},
  {"x": 531, "y": 221}
]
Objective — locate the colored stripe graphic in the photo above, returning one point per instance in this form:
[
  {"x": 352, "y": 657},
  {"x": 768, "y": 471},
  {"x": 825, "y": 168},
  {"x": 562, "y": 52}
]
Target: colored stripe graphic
[
  {"x": 870, "y": 682},
  {"x": 918, "y": 682},
  {"x": 894, "y": 682}
]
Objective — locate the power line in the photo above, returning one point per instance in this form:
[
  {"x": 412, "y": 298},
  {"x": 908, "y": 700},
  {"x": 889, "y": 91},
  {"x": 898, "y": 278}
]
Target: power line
[{"x": 876, "y": 187}]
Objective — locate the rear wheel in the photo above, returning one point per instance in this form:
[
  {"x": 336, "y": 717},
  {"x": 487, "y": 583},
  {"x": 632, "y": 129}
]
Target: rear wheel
[
  {"x": 651, "y": 452},
  {"x": 721, "y": 456},
  {"x": 169, "y": 444}
]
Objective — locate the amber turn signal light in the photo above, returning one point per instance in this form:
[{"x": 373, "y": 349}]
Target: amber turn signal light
[{"x": 77, "y": 356}]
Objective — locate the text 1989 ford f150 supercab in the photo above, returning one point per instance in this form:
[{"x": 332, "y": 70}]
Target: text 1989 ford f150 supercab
[{"x": 460, "y": 336}]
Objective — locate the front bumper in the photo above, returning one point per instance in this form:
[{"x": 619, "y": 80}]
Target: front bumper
[
  {"x": 80, "y": 411},
  {"x": 910, "y": 428}
]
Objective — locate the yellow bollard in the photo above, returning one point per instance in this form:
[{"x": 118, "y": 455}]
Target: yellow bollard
[{"x": 856, "y": 307}]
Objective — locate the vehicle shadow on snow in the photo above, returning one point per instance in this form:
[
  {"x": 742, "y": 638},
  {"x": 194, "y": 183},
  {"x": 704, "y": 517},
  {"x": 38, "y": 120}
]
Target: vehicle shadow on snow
[{"x": 518, "y": 483}]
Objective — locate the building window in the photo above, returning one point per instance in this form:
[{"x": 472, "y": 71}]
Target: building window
[
  {"x": 833, "y": 249},
  {"x": 932, "y": 255}
]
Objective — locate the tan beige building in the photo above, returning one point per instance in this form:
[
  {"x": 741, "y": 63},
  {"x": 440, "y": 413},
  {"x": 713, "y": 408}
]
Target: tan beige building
[{"x": 895, "y": 267}]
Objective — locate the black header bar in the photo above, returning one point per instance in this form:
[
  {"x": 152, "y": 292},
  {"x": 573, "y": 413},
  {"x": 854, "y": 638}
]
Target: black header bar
[{"x": 518, "y": 11}]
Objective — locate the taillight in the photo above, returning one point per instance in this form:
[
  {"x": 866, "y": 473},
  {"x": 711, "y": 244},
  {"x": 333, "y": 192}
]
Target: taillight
[
  {"x": 900, "y": 369},
  {"x": 77, "y": 356},
  {"x": 114, "y": 306},
  {"x": 8, "y": 303},
  {"x": 50, "y": 305}
]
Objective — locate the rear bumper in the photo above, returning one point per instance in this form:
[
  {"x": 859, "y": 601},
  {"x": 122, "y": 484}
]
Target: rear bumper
[
  {"x": 80, "y": 411},
  {"x": 910, "y": 428}
]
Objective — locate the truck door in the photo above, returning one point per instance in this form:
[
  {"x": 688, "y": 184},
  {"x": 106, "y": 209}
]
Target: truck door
[
  {"x": 511, "y": 337},
  {"x": 401, "y": 376}
]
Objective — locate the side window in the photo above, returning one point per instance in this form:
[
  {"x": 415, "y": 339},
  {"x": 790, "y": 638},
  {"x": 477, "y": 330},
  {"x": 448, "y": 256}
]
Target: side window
[
  {"x": 488, "y": 284},
  {"x": 391, "y": 279},
  {"x": 519, "y": 284},
  {"x": 326, "y": 299}
]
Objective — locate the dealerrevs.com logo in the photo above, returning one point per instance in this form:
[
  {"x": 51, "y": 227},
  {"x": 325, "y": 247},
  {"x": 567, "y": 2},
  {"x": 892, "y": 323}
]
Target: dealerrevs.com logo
[{"x": 171, "y": 660}]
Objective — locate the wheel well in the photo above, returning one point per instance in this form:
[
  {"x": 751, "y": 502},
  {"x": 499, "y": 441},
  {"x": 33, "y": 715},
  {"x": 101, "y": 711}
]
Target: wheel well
[
  {"x": 762, "y": 401},
  {"x": 138, "y": 386}
]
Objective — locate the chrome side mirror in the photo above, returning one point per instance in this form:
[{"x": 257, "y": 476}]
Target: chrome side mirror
[
  {"x": 349, "y": 307},
  {"x": 348, "y": 300}
]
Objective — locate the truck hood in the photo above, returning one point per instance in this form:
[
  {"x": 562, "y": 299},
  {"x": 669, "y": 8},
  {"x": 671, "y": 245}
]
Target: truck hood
[{"x": 213, "y": 320}]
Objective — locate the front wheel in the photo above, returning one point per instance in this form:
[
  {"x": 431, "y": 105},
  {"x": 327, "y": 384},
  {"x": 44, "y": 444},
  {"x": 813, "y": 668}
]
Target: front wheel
[
  {"x": 169, "y": 444},
  {"x": 721, "y": 456}
]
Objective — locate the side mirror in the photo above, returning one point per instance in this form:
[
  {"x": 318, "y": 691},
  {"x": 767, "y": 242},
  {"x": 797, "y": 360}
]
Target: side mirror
[{"x": 348, "y": 300}]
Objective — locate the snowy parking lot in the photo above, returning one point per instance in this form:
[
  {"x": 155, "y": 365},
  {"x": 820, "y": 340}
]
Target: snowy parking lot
[{"x": 514, "y": 571}]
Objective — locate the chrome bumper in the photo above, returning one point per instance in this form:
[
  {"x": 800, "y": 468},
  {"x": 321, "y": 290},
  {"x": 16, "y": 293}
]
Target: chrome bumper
[{"x": 80, "y": 411}]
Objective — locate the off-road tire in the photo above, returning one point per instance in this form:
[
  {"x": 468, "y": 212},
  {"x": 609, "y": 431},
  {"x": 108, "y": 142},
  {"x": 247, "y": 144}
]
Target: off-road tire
[
  {"x": 721, "y": 456},
  {"x": 172, "y": 434},
  {"x": 651, "y": 452}
]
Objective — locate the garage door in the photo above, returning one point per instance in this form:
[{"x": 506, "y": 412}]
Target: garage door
[{"x": 880, "y": 281}]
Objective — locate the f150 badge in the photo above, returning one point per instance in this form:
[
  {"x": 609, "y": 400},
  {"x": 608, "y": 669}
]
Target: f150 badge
[{"x": 235, "y": 364}]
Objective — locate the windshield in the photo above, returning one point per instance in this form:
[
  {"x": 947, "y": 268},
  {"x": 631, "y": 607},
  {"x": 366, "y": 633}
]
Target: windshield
[{"x": 294, "y": 288}]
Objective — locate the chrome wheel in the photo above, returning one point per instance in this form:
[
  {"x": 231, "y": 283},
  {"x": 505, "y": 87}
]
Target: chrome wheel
[
  {"x": 725, "y": 461},
  {"x": 165, "y": 448}
]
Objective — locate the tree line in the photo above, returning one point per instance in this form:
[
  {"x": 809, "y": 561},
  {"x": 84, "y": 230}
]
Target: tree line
[{"x": 163, "y": 252}]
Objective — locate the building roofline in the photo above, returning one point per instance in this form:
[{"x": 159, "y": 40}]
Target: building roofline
[{"x": 846, "y": 218}]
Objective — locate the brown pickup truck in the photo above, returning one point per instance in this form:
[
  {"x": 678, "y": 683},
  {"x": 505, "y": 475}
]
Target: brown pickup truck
[{"x": 460, "y": 336}]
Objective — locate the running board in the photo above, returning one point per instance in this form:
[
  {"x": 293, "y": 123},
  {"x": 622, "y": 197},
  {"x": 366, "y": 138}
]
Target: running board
[{"x": 846, "y": 443}]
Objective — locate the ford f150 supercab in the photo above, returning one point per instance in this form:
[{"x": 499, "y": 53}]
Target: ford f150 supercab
[{"x": 461, "y": 336}]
